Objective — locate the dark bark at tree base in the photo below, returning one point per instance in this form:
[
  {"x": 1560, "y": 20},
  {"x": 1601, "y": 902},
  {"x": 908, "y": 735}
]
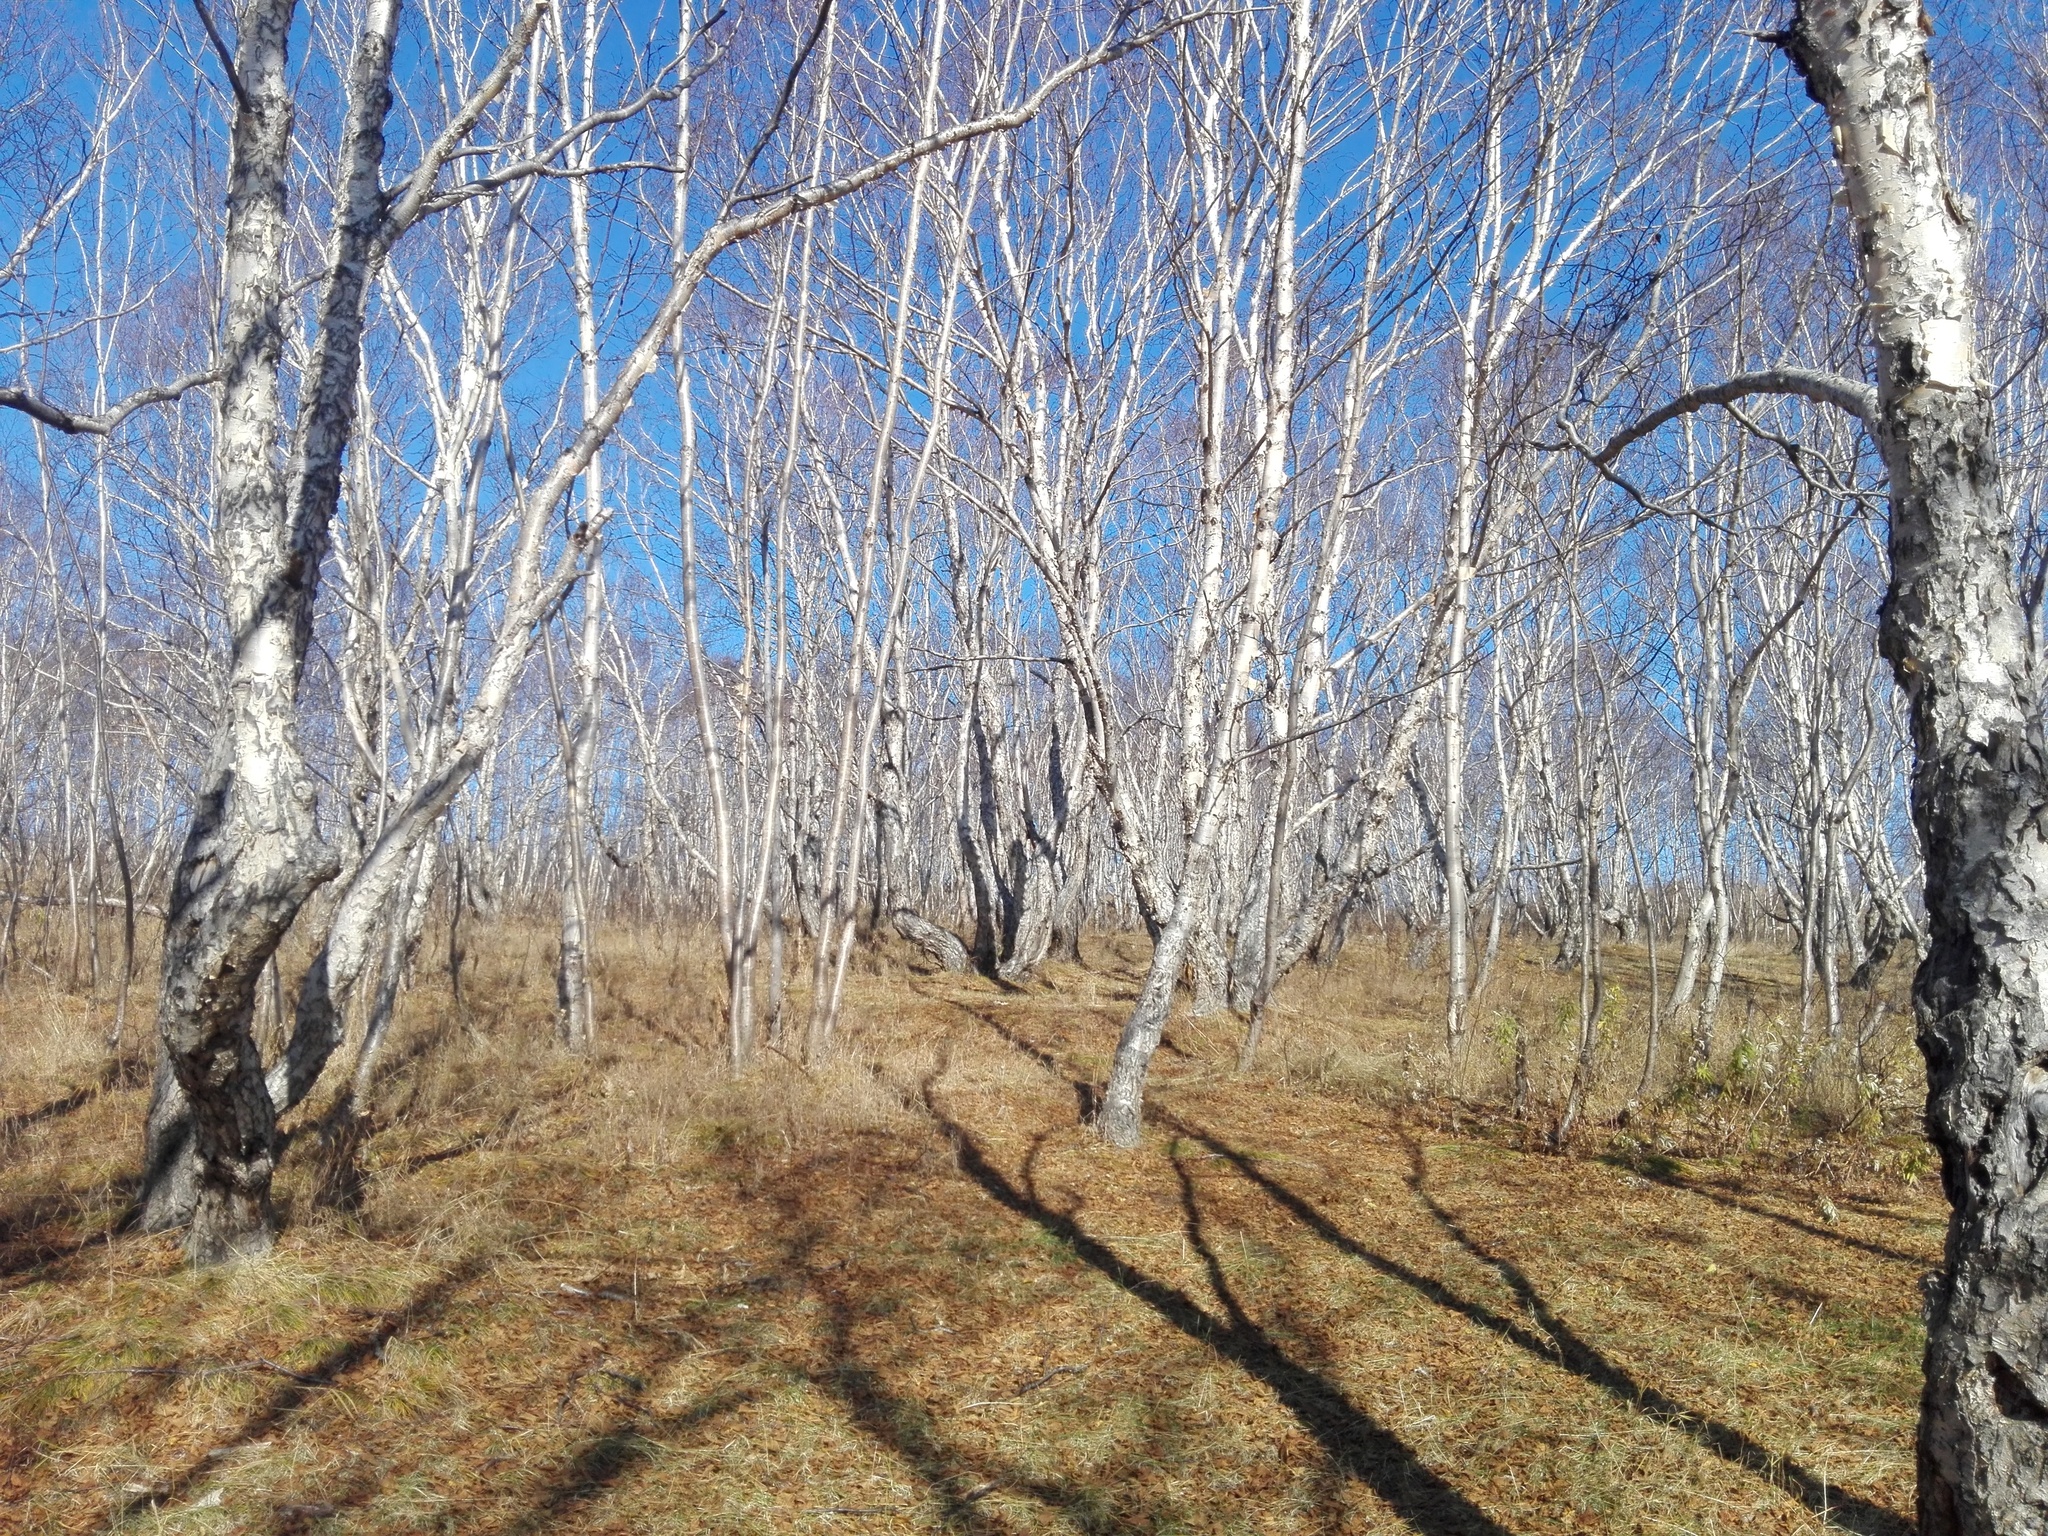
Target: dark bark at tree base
[
  {"x": 1981, "y": 1015},
  {"x": 170, "y": 1170},
  {"x": 1957, "y": 638},
  {"x": 235, "y": 1134}
]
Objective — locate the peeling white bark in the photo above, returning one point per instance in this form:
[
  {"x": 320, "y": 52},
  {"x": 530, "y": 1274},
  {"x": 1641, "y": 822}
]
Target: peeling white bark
[
  {"x": 251, "y": 855},
  {"x": 1122, "y": 1113},
  {"x": 1955, "y": 634}
]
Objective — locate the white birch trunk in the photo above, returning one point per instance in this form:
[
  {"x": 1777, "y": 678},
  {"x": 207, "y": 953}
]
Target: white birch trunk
[{"x": 1956, "y": 636}]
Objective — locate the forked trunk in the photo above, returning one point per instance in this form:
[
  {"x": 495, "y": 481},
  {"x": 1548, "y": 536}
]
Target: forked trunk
[{"x": 252, "y": 855}]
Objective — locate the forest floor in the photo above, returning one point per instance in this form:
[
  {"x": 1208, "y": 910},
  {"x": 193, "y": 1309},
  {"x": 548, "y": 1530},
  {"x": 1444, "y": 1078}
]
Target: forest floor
[{"x": 907, "y": 1291}]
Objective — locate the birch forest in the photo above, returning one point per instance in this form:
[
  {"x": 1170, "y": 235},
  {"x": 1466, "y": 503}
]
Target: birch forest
[{"x": 1011, "y": 765}]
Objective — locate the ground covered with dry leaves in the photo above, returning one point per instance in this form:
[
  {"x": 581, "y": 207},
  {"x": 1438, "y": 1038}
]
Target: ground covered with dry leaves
[{"x": 906, "y": 1291}]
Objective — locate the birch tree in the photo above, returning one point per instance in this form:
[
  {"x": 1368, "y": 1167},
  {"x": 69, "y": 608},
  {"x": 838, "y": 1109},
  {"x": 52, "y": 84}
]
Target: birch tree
[
  {"x": 1956, "y": 634},
  {"x": 254, "y": 853}
]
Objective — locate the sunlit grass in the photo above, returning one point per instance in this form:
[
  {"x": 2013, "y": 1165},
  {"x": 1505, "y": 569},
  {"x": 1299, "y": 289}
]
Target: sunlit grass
[{"x": 906, "y": 1290}]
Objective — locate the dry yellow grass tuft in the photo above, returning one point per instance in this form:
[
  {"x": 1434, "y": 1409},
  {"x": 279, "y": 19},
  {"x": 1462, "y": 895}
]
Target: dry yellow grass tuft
[{"x": 907, "y": 1291}]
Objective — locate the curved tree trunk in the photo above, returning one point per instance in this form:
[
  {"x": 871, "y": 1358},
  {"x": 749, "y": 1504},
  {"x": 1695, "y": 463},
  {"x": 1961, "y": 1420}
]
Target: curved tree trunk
[
  {"x": 941, "y": 946},
  {"x": 252, "y": 853}
]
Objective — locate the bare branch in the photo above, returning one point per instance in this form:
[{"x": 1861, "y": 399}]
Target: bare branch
[
  {"x": 408, "y": 201},
  {"x": 50, "y": 415},
  {"x": 420, "y": 199},
  {"x": 733, "y": 230},
  {"x": 1859, "y": 400},
  {"x": 542, "y": 164},
  {"x": 220, "y": 47}
]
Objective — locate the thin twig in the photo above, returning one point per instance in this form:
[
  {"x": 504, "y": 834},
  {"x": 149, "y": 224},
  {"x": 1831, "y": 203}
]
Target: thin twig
[{"x": 1026, "y": 1390}]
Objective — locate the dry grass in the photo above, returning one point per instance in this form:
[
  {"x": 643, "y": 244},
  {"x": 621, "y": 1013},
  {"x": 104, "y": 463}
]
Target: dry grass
[{"x": 907, "y": 1292}]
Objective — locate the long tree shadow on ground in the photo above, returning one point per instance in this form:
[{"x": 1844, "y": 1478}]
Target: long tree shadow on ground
[
  {"x": 957, "y": 1480},
  {"x": 1725, "y": 1441},
  {"x": 27, "y": 1255},
  {"x": 1670, "y": 1180},
  {"x": 630, "y": 1444},
  {"x": 12, "y": 1125},
  {"x": 1356, "y": 1444},
  {"x": 603, "y": 1460},
  {"x": 1084, "y": 1092},
  {"x": 297, "y": 1387},
  {"x": 1558, "y": 1344}
]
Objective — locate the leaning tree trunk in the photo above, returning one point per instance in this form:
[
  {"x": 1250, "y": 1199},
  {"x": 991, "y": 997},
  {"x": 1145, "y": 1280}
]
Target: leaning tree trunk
[
  {"x": 252, "y": 854},
  {"x": 1954, "y": 632},
  {"x": 241, "y": 875}
]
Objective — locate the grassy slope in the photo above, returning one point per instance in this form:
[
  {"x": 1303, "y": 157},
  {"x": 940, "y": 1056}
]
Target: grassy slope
[{"x": 907, "y": 1292}]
